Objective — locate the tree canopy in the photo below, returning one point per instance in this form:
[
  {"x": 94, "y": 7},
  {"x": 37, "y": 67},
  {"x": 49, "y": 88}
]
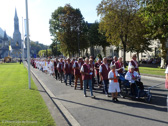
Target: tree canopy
[
  {"x": 117, "y": 20},
  {"x": 67, "y": 25},
  {"x": 155, "y": 13}
]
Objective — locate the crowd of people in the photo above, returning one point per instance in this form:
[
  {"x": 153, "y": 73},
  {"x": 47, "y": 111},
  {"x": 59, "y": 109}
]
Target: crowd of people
[{"x": 91, "y": 73}]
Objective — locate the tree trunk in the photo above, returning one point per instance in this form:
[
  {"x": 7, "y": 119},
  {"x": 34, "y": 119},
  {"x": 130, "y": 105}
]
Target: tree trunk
[
  {"x": 124, "y": 58},
  {"x": 163, "y": 53},
  {"x": 138, "y": 57},
  {"x": 104, "y": 51}
]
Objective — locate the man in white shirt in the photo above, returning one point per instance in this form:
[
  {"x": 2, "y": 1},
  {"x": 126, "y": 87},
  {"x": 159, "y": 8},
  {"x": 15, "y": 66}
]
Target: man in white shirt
[{"x": 133, "y": 77}]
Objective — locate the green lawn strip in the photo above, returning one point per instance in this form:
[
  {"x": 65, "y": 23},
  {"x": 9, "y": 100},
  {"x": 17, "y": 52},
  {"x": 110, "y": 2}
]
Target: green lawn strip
[
  {"x": 151, "y": 71},
  {"x": 18, "y": 104}
]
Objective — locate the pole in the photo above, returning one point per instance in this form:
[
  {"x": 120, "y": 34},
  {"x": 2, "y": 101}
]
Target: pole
[
  {"x": 78, "y": 44},
  {"x": 22, "y": 42},
  {"x": 28, "y": 47}
]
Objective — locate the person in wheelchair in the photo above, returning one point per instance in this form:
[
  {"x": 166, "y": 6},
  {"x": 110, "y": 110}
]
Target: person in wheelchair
[{"x": 134, "y": 78}]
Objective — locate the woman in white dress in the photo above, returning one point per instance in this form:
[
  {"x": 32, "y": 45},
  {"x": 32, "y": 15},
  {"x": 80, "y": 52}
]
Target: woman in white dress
[
  {"x": 51, "y": 67},
  {"x": 45, "y": 66},
  {"x": 114, "y": 87}
]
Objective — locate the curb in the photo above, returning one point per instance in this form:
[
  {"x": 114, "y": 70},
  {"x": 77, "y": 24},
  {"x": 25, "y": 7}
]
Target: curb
[{"x": 66, "y": 113}]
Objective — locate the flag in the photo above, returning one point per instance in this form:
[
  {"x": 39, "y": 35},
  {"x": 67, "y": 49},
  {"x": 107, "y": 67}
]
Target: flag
[
  {"x": 25, "y": 27},
  {"x": 10, "y": 48},
  {"x": 23, "y": 45}
]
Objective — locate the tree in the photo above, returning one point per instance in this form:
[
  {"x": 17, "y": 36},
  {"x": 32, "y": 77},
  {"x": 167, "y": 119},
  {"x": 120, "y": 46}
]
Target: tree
[
  {"x": 138, "y": 42},
  {"x": 117, "y": 17},
  {"x": 96, "y": 38},
  {"x": 156, "y": 20},
  {"x": 45, "y": 53},
  {"x": 68, "y": 26},
  {"x": 36, "y": 47},
  {"x": 55, "y": 48}
]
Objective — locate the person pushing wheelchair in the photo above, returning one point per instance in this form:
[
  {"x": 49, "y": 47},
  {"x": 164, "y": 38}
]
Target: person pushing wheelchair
[{"x": 134, "y": 78}]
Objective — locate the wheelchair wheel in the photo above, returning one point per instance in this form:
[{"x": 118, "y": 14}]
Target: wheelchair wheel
[
  {"x": 148, "y": 98},
  {"x": 123, "y": 91}
]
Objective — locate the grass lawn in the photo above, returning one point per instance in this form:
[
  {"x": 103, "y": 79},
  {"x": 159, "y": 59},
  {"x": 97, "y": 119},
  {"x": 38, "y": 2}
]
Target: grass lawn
[
  {"x": 152, "y": 71},
  {"x": 19, "y": 105}
]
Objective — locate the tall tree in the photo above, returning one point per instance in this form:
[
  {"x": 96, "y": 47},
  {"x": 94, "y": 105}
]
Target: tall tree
[
  {"x": 138, "y": 42},
  {"x": 68, "y": 26},
  {"x": 96, "y": 38},
  {"x": 55, "y": 48},
  {"x": 117, "y": 17},
  {"x": 156, "y": 20}
]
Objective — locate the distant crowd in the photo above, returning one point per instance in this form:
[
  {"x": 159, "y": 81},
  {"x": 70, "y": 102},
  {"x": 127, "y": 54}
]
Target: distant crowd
[{"x": 92, "y": 73}]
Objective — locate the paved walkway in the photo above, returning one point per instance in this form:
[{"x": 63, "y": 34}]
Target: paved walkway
[{"x": 79, "y": 110}]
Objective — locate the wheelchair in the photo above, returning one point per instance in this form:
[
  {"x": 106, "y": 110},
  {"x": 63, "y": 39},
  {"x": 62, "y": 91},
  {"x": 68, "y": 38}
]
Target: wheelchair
[{"x": 125, "y": 88}]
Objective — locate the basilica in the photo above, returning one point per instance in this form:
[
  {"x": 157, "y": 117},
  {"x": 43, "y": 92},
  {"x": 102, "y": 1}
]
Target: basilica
[{"x": 15, "y": 42}]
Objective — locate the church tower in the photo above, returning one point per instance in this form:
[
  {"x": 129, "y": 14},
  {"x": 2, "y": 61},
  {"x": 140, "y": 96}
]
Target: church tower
[{"x": 16, "y": 34}]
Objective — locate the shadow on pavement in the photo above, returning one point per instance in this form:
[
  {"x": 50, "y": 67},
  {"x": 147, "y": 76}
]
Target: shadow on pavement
[{"x": 125, "y": 103}]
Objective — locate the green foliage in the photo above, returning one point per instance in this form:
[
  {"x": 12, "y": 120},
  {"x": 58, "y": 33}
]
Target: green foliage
[
  {"x": 155, "y": 13},
  {"x": 68, "y": 27},
  {"x": 36, "y": 47},
  {"x": 117, "y": 20},
  {"x": 45, "y": 53},
  {"x": 99, "y": 56},
  {"x": 138, "y": 42},
  {"x": 95, "y": 37},
  {"x": 18, "y": 105},
  {"x": 55, "y": 48}
]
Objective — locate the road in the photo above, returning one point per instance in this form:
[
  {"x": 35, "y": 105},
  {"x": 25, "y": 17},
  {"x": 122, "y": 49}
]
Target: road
[{"x": 102, "y": 112}]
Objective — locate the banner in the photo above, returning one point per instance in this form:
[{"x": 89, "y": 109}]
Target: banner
[
  {"x": 10, "y": 48},
  {"x": 23, "y": 43},
  {"x": 25, "y": 24}
]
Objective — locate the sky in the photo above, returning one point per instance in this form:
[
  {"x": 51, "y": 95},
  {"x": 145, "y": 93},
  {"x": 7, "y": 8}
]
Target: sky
[{"x": 39, "y": 12}]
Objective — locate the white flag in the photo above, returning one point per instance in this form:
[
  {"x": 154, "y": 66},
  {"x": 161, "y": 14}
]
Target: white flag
[
  {"x": 10, "y": 48},
  {"x": 23, "y": 44},
  {"x": 25, "y": 27}
]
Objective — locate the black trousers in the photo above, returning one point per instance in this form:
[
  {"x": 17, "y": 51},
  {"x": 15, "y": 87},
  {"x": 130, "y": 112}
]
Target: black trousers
[
  {"x": 61, "y": 75},
  {"x": 56, "y": 74},
  {"x": 135, "y": 86}
]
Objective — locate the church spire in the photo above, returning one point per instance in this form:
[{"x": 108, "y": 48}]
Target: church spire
[
  {"x": 16, "y": 17},
  {"x": 16, "y": 34}
]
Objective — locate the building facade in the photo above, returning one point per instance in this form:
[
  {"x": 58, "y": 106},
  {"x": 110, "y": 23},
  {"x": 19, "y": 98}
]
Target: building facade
[{"x": 16, "y": 42}]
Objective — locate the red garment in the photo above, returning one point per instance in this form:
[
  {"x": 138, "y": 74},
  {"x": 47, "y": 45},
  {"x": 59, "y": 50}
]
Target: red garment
[
  {"x": 135, "y": 65},
  {"x": 92, "y": 67},
  {"x": 97, "y": 65},
  {"x": 105, "y": 72},
  {"x": 68, "y": 68},
  {"x": 61, "y": 65},
  {"x": 86, "y": 70},
  {"x": 77, "y": 71},
  {"x": 118, "y": 66},
  {"x": 55, "y": 65}
]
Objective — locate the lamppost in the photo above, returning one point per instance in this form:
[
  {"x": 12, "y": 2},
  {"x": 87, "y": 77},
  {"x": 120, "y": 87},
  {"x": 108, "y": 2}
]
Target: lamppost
[
  {"x": 28, "y": 44},
  {"x": 78, "y": 32}
]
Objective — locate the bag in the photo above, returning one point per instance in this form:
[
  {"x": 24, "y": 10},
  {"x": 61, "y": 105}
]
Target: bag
[{"x": 166, "y": 84}]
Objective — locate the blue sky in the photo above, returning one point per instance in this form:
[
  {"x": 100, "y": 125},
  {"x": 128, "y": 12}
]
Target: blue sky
[{"x": 39, "y": 15}]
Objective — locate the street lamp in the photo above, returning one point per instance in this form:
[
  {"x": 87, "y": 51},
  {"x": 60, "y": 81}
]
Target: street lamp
[
  {"x": 28, "y": 44},
  {"x": 78, "y": 32}
]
